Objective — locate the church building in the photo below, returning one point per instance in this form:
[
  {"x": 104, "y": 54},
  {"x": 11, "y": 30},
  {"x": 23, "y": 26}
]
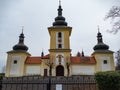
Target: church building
[{"x": 59, "y": 61}]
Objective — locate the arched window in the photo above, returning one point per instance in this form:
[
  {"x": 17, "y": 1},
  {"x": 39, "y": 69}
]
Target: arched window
[
  {"x": 59, "y": 34},
  {"x": 59, "y": 40}
]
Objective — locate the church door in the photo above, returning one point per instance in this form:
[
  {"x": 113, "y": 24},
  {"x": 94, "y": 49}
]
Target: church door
[{"x": 59, "y": 70}]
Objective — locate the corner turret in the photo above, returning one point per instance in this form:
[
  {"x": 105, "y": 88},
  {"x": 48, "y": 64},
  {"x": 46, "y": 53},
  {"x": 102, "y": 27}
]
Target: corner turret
[{"x": 100, "y": 46}]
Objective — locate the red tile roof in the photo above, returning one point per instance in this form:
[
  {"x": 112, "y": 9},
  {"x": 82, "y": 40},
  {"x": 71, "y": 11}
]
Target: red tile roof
[
  {"x": 83, "y": 60},
  {"x": 33, "y": 60},
  {"x": 74, "y": 60}
]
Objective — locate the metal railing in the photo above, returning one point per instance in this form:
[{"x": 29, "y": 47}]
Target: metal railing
[{"x": 48, "y": 83}]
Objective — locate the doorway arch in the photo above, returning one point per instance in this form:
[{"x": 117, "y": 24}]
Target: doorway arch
[{"x": 60, "y": 70}]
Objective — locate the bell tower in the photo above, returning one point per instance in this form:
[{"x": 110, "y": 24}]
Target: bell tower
[
  {"x": 60, "y": 44},
  {"x": 16, "y": 58},
  {"x": 103, "y": 56}
]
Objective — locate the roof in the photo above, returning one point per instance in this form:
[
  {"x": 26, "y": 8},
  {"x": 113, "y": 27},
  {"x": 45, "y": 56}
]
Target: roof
[
  {"x": 33, "y": 60},
  {"x": 83, "y": 60},
  {"x": 46, "y": 56},
  {"x": 74, "y": 59},
  {"x": 103, "y": 51}
]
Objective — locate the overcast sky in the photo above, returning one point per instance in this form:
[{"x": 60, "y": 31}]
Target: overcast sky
[{"x": 37, "y": 15}]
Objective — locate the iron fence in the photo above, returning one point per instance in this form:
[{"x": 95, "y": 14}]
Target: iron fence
[{"x": 48, "y": 83}]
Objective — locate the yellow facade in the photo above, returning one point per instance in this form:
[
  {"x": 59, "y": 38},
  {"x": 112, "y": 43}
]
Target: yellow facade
[
  {"x": 22, "y": 59},
  {"x": 60, "y": 61},
  {"x": 67, "y": 33},
  {"x": 98, "y": 66},
  {"x": 65, "y": 51}
]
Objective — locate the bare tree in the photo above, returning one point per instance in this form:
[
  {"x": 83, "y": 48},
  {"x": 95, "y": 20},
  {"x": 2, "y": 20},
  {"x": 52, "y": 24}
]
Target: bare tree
[
  {"x": 49, "y": 63},
  {"x": 114, "y": 15},
  {"x": 118, "y": 60},
  {"x": 68, "y": 63}
]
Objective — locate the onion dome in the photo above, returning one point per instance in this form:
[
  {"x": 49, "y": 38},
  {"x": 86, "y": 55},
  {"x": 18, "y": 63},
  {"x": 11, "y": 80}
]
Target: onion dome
[
  {"x": 20, "y": 46},
  {"x": 100, "y": 45},
  {"x": 59, "y": 20}
]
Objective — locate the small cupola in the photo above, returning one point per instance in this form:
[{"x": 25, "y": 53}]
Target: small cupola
[
  {"x": 60, "y": 20},
  {"x": 100, "y": 45},
  {"x": 20, "y": 46},
  {"x": 78, "y": 54}
]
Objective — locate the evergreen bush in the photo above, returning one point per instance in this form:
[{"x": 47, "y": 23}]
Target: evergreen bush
[
  {"x": 2, "y": 74},
  {"x": 109, "y": 80}
]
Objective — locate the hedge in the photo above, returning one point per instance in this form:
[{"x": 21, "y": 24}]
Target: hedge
[
  {"x": 109, "y": 80},
  {"x": 2, "y": 74}
]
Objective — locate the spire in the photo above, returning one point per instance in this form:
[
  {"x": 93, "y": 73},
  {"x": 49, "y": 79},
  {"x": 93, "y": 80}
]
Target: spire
[
  {"x": 82, "y": 53},
  {"x": 60, "y": 20},
  {"x": 99, "y": 36},
  {"x": 22, "y": 28},
  {"x": 42, "y": 54},
  {"x": 21, "y": 37},
  {"x": 20, "y": 45},
  {"x": 100, "y": 45},
  {"x": 98, "y": 29},
  {"x": 60, "y": 9},
  {"x": 59, "y": 2}
]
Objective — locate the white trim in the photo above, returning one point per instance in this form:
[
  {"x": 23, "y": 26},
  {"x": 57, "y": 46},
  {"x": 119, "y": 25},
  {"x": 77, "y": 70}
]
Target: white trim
[
  {"x": 62, "y": 43},
  {"x": 62, "y": 61}
]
